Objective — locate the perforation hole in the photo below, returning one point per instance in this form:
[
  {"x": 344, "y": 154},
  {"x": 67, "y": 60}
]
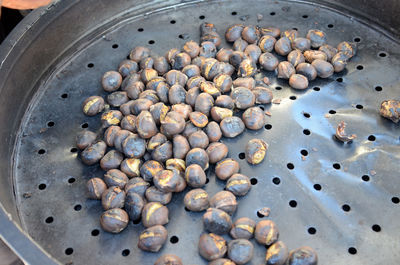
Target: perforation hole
[
  {"x": 293, "y": 203},
  {"x": 50, "y": 124},
  {"x": 312, "y": 230},
  {"x": 234, "y": 13},
  {"x": 306, "y": 132},
  {"x": 125, "y": 252},
  {"x": 174, "y": 239},
  {"x": 49, "y": 220},
  {"x": 360, "y": 67},
  {"x": 278, "y": 88},
  {"x": 378, "y": 88},
  {"x": 69, "y": 251},
  {"x": 90, "y": 65},
  {"x": 332, "y": 111},
  {"x": 74, "y": 150},
  {"x": 115, "y": 46},
  {"x": 41, "y": 151},
  {"x": 396, "y": 200},
  {"x": 276, "y": 181},
  {"x": 304, "y": 16},
  {"x": 253, "y": 181},
  {"x": 290, "y": 166},
  {"x": 382, "y": 54},
  {"x": 78, "y": 207},
  {"x": 357, "y": 39},
  {"x": 268, "y": 126},
  {"x": 151, "y": 42},
  {"x": 339, "y": 79},
  {"x": 371, "y": 138},
  {"x": 293, "y": 97},
  {"x": 85, "y": 125},
  {"x": 376, "y": 228},
  {"x": 71, "y": 180},
  {"x": 202, "y": 17},
  {"x": 95, "y": 232},
  {"x": 336, "y": 166},
  {"x": 65, "y": 95},
  {"x": 242, "y": 156},
  {"x": 365, "y": 178},
  {"x": 42, "y": 186},
  {"x": 316, "y": 88},
  {"x": 346, "y": 207},
  {"x": 140, "y": 29},
  {"x": 317, "y": 187},
  {"x": 330, "y": 26},
  {"x": 272, "y": 13},
  {"x": 304, "y": 152},
  {"x": 352, "y": 251},
  {"x": 307, "y": 115},
  {"x": 172, "y": 22},
  {"x": 359, "y": 106}
]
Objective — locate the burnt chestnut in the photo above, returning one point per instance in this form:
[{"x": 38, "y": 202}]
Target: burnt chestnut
[
  {"x": 150, "y": 95},
  {"x": 134, "y": 204},
  {"x": 268, "y": 61},
  {"x": 137, "y": 185},
  {"x": 120, "y": 136},
  {"x": 223, "y": 55},
  {"x": 253, "y": 52},
  {"x": 285, "y": 70},
  {"x": 211, "y": 37},
  {"x": 113, "y": 197},
  {"x": 177, "y": 94},
  {"x": 223, "y": 82},
  {"x": 175, "y": 163},
  {"x": 295, "y": 57},
  {"x": 93, "y": 153},
  {"x": 168, "y": 259},
  {"x": 216, "y": 152},
  {"x": 166, "y": 180},
  {"x": 312, "y": 55},
  {"x": 236, "y": 58},
  {"x": 93, "y": 105},
  {"x": 111, "y": 81},
  {"x": 198, "y": 139},
  {"x": 199, "y": 61},
  {"x": 159, "y": 111},
  {"x": 329, "y": 50},
  {"x": 283, "y": 46},
  {"x": 204, "y": 103},
  {"x": 189, "y": 129},
  {"x": 238, "y": 184},
  {"x": 147, "y": 62},
  {"x": 306, "y": 70},
  {"x": 145, "y": 125},
  {"x": 180, "y": 60},
  {"x": 193, "y": 82},
  {"x": 263, "y": 95},
  {"x": 247, "y": 68},
  {"x": 162, "y": 90},
  {"x": 138, "y": 53},
  {"x": 197, "y": 156},
  {"x": 339, "y": 61},
  {"x": 224, "y": 101},
  {"x": 111, "y": 159},
  {"x": 154, "y": 213},
  {"x": 291, "y": 34},
  {"x": 163, "y": 152},
  {"x": 277, "y": 254},
  {"x": 195, "y": 176},
  {"x": 240, "y": 251},
  {"x": 239, "y": 45},
  {"x": 348, "y": 48},
  {"x": 127, "y": 67},
  {"x": 149, "y": 169},
  {"x": 232, "y": 127},
  {"x": 243, "y": 228},
  {"x": 170, "y": 54},
  {"x": 212, "y": 246},
  {"x": 298, "y": 81},
  {"x": 155, "y": 195},
  {"x": 250, "y": 34},
  {"x": 95, "y": 187},
  {"x": 134, "y": 89},
  {"x": 140, "y": 105},
  {"x": 243, "y": 97},
  {"x": 173, "y": 123},
  {"x": 131, "y": 166},
  {"x": 114, "y": 220},
  {"x": 247, "y": 82},
  {"x": 301, "y": 44},
  {"x": 221, "y": 261},
  {"x": 126, "y": 108},
  {"x": 254, "y": 118},
  {"x": 85, "y": 138},
  {"x": 217, "y": 221},
  {"x": 134, "y": 146},
  {"x": 224, "y": 200},
  {"x": 191, "y": 70},
  {"x": 180, "y": 146},
  {"x": 129, "y": 80},
  {"x": 218, "y": 113},
  {"x": 270, "y": 31},
  {"x": 316, "y": 37},
  {"x": 111, "y": 117},
  {"x": 153, "y": 238},
  {"x": 267, "y": 43},
  {"x": 304, "y": 256},
  {"x": 156, "y": 141},
  {"x": 324, "y": 69},
  {"x": 266, "y": 232},
  {"x": 196, "y": 200},
  {"x": 390, "y": 109},
  {"x": 128, "y": 123},
  {"x": 147, "y": 74},
  {"x": 161, "y": 65},
  {"x": 198, "y": 119},
  {"x": 213, "y": 131},
  {"x": 210, "y": 88},
  {"x": 192, "y": 95},
  {"x": 234, "y": 32},
  {"x": 226, "y": 68},
  {"x": 192, "y": 48},
  {"x": 208, "y": 49},
  {"x": 210, "y": 68},
  {"x": 115, "y": 177},
  {"x": 176, "y": 77},
  {"x": 255, "y": 151}
]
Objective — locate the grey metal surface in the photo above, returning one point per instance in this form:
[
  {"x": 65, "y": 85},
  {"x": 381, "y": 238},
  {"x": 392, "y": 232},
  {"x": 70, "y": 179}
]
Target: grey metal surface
[{"x": 70, "y": 80}]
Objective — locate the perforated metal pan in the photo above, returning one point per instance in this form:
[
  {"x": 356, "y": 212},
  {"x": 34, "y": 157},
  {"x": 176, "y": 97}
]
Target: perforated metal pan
[{"x": 341, "y": 199}]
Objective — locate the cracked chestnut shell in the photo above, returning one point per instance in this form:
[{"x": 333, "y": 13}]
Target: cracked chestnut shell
[
  {"x": 306, "y": 70},
  {"x": 131, "y": 166},
  {"x": 173, "y": 123},
  {"x": 390, "y": 109},
  {"x": 268, "y": 61},
  {"x": 93, "y": 105},
  {"x": 137, "y": 185},
  {"x": 85, "y": 138},
  {"x": 196, "y": 200},
  {"x": 216, "y": 152},
  {"x": 285, "y": 70},
  {"x": 153, "y": 238},
  {"x": 224, "y": 200},
  {"x": 149, "y": 169},
  {"x": 111, "y": 81},
  {"x": 243, "y": 228},
  {"x": 95, "y": 187},
  {"x": 111, "y": 159},
  {"x": 93, "y": 153},
  {"x": 277, "y": 254},
  {"x": 154, "y": 213},
  {"x": 243, "y": 97},
  {"x": 240, "y": 251},
  {"x": 114, "y": 220},
  {"x": 238, "y": 184},
  {"x": 197, "y": 156},
  {"x": 134, "y": 204},
  {"x": 255, "y": 151},
  {"x": 304, "y": 256},
  {"x": 254, "y": 118},
  {"x": 212, "y": 246},
  {"x": 115, "y": 177},
  {"x": 283, "y": 46},
  {"x": 138, "y": 53},
  {"x": 234, "y": 32},
  {"x": 266, "y": 232},
  {"x": 168, "y": 259},
  {"x": 217, "y": 221},
  {"x": 113, "y": 197},
  {"x": 226, "y": 168},
  {"x": 232, "y": 126}
]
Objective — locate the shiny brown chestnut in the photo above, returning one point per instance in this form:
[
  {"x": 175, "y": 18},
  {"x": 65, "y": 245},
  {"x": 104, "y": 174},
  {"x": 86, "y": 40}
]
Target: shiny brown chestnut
[
  {"x": 254, "y": 118},
  {"x": 95, "y": 187},
  {"x": 232, "y": 127},
  {"x": 111, "y": 81},
  {"x": 153, "y": 238},
  {"x": 196, "y": 200},
  {"x": 224, "y": 200},
  {"x": 114, "y": 220},
  {"x": 212, "y": 246},
  {"x": 213, "y": 131},
  {"x": 113, "y": 197},
  {"x": 243, "y": 228},
  {"x": 93, "y": 153},
  {"x": 93, "y": 105},
  {"x": 226, "y": 168},
  {"x": 238, "y": 184},
  {"x": 85, "y": 138},
  {"x": 154, "y": 213},
  {"x": 217, "y": 221}
]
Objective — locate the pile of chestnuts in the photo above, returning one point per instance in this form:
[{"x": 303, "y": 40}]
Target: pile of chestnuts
[{"x": 162, "y": 123}]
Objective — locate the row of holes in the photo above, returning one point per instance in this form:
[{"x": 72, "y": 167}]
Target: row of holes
[{"x": 339, "y": 79}]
